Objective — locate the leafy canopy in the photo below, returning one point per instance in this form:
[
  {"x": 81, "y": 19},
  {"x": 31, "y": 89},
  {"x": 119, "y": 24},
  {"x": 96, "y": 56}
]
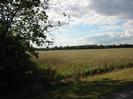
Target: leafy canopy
[
  {"x": 22, "y": 24},
  {"x": 25, "y": 20}
]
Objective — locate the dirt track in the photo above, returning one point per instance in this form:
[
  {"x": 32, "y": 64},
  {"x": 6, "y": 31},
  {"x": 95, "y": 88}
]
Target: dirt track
[{"x": 126, "y": 93}]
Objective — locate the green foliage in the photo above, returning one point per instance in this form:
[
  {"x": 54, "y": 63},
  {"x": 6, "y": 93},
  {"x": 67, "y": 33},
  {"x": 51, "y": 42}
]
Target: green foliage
[
  {"x": 22, "y": 24},
  {"x": 87, "y": 47},
  {"x": 25, "y": 20}
]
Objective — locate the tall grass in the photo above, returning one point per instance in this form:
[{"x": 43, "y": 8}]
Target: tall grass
[{"x": 68, "y": 62}]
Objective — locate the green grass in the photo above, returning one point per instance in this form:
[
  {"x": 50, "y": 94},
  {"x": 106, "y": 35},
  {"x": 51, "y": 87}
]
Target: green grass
[
  {"x": 75, "y": 62},
  {"x": 69, "y": 62},
  {"x": 96, "y": 87}
]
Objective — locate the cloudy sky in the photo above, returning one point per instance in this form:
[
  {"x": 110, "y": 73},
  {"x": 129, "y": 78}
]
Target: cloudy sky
[{"x": 92, "y": 21}]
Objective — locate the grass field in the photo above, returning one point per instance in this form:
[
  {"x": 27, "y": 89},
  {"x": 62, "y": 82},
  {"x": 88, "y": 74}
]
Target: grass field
[
  {"x": 96, "y": 87},
  {"x": 100, "y": 86},
  {"x": 67, "y": 62}
]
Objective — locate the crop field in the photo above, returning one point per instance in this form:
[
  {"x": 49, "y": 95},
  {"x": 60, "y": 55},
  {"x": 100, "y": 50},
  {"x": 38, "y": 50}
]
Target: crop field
[
  {"x": 67, "y": 62},
  {"x": 84, "y": 62},
  {"x": 72, "y": 68}
]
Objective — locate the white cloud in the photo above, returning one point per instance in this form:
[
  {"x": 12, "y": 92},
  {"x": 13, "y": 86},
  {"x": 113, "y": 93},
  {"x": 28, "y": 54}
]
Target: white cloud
[
  {"x": 107, "y": 38},
  {"x": 128, "y": 28},
  {"x": 73, "y": 42},
  {"x": 121, "y": 8},
  {"x": 79, "y": 12},
  {"x": 104, "y": 13}
]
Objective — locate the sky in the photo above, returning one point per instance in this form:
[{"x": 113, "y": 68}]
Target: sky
[{"x": 92, "y": 22}]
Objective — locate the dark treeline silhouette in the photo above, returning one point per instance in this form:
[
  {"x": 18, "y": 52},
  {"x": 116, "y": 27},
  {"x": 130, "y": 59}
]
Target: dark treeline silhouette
[
  {"x": 87, "y": 47},
  {"x": 18, "y": 29}
]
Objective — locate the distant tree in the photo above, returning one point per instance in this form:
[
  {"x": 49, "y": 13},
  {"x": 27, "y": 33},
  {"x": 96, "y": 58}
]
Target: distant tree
[{"x": 23, "y": 23}]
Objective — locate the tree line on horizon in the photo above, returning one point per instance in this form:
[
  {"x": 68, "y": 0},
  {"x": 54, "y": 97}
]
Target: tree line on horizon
[{"x": 86, "y": 47}]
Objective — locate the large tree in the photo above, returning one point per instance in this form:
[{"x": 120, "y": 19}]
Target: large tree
[{"x": 23, "y": 23}]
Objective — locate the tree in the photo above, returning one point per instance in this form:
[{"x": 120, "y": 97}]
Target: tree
[{"x": 23, "y": 23}]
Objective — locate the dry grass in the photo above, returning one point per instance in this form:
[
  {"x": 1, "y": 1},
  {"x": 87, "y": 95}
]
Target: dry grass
[{"x": 69, "y": 61}]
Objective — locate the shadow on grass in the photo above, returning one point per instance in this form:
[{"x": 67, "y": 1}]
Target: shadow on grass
[
  {"x": 79, "y": 90},
  {"x": 85, "y": 90}
]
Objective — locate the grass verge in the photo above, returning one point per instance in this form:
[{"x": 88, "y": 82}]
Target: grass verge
[{"x": 95, "y": 87}]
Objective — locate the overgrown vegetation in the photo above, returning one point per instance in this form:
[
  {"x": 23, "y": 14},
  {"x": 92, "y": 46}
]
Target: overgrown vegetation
[
  {"x": 96, "y": 87},
  {"x": 86, "y": 62},
  {"x": 58, "y": 74},
  {"x": 21, "y": 27}
]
